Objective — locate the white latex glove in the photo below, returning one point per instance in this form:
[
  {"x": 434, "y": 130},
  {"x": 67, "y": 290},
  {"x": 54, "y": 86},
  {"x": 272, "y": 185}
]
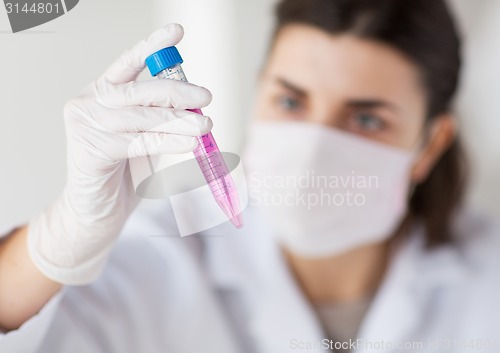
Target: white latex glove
[{"x": 114, "y": 119}]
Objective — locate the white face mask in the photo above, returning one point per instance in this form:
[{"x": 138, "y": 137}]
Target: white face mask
[{"x": 325, "y": 191}]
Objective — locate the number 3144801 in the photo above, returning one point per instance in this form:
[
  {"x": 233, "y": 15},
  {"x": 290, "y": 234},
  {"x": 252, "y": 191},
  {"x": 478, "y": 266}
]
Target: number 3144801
[{"x": 32, "y": 8}]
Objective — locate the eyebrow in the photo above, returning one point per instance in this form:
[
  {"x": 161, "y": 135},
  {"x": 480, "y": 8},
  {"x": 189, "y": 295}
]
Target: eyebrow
[
  {"x": 352, "y": 103},
  {"x": 371, "y": 104},
  {"x": 292, "y": 87}
]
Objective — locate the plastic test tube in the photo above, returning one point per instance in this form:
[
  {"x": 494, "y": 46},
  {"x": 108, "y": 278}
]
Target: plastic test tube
[{"x": 166, "y": 64}]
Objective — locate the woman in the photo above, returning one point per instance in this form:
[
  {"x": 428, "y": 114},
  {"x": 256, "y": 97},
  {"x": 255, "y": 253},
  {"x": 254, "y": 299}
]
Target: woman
[{"x": 357, "y": 89}]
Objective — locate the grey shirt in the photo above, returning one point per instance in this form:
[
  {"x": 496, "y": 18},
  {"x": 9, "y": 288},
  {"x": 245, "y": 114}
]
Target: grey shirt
[{"x": 341, "y": 322}]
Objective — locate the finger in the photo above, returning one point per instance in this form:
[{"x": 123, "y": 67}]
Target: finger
[
  {"x": 154, "y": 93},
  {"x": 131, "y": 62},
  {"x": 153, "y": 119},
  {"x": 152, "y": 144}
]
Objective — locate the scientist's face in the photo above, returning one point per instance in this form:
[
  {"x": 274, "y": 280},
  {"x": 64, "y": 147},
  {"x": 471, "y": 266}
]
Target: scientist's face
[{"x": 357, "y": 85}]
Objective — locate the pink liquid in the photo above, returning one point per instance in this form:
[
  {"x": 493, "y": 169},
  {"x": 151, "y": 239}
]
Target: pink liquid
[{"x": 218, "y": 178}]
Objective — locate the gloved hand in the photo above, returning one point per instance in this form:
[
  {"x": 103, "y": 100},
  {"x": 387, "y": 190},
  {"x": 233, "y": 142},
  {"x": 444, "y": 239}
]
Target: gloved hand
[{"x": 115, "y": 118}]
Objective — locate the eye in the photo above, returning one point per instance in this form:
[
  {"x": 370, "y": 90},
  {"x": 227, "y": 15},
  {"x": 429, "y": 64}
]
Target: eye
[
  {"x": 289, "y": 103},
  {"x": 368, "y": 122}
]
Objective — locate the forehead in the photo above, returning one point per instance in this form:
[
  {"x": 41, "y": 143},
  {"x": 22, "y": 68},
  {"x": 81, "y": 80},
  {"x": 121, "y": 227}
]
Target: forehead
[{"x": 321, "y": 61}]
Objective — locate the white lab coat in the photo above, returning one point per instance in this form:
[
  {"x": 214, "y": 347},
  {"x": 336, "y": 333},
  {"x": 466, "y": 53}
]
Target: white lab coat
[{"x": 230, "y": 291}]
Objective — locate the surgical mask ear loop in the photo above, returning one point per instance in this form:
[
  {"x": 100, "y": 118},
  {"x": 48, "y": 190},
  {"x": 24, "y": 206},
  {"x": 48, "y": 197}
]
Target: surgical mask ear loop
[{"x": 416, "y": 152}]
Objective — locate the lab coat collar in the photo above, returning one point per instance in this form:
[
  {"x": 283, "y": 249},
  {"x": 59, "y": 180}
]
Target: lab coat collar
[
  {"x": 251, "y": 263},
  {"x": 413, "y": 279}
]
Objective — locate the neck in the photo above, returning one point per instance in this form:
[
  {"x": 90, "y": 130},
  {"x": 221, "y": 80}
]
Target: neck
[{"x": 342, "y": 278}]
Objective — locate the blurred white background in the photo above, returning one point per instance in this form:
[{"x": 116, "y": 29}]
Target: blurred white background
[{"x": 223, "y": 49}]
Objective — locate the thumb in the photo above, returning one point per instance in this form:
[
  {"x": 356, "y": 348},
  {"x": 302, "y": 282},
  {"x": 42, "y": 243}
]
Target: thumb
[{"x": 131, "y": 62}]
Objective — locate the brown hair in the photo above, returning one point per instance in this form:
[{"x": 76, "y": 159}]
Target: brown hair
[{"x": 424, "y": 31}]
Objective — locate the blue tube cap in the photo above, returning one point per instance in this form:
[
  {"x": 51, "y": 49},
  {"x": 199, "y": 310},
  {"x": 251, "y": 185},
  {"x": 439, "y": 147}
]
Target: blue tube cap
[{"x": 163, "y": 59}]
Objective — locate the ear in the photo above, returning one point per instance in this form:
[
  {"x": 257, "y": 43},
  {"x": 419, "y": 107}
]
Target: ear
[{"x": 440, "y": 134}]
